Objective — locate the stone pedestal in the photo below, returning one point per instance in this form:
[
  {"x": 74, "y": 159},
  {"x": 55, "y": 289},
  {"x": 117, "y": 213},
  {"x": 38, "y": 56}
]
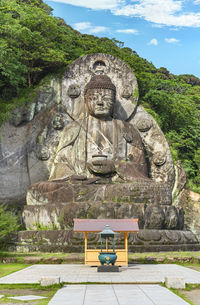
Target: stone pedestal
[
  {"x": 108, "y": 269},
  {"x": 175, "y": 282},
  {"x": 68, "y": 241}
]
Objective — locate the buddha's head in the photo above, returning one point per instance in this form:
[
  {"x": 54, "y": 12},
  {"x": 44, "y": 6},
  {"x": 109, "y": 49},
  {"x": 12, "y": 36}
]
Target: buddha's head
[{"x": 100, "y": 96}]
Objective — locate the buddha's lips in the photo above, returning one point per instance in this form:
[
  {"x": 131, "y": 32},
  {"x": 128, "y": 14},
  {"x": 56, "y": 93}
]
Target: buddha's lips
[{"x": 101, "y": 109}]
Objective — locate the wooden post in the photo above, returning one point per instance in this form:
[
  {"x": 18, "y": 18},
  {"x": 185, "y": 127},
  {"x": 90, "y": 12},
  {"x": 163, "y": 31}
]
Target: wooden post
[
  {"x": 85, "y": 247},
  {"x": 126, "y": 246}
]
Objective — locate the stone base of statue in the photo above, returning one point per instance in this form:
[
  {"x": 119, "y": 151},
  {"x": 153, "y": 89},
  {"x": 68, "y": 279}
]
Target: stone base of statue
[
  {"x": 109, "y": 268},
  {"x": 70, "y": 242},
  {"x": 61, "y": 215},
  {"x": 138, "y": 191}
]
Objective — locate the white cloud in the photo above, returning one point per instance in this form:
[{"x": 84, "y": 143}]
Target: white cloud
[
  {"x": 157, "y": 25},
  {"x": 171, "y": 40},
  {"x": 164, "y": 12},
  {"x": 82, "y": 26},
  {"x": 161, "y": 12},
  {"x": 89, "y": 28},
  {"x": 153, "y": 41},
  {"x": 98, "y": 29},
  {"x": 95, "y": 4},
  {"x": 128, "y": 31}
]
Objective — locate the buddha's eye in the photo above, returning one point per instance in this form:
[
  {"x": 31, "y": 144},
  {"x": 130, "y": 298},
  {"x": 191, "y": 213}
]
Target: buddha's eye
[
  {"x": 107, "y": 99},
  {"x": 93, "y": 98}
]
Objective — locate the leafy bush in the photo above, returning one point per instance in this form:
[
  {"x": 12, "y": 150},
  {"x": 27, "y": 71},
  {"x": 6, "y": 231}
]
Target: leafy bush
[{"x": 8, "y": 224}]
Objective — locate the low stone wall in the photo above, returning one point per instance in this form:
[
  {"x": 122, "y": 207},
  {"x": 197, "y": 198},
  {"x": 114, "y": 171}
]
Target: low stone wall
[{"x": 68, "y": 241}]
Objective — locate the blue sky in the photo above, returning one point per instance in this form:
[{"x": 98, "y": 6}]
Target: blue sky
[{"x": 165, "y": 32}]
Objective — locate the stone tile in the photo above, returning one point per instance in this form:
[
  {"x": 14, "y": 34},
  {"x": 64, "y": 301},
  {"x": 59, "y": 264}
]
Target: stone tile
[
  {"x": 131, "y": 294},
  {"x": 27, "y": 297},
  {"x": 68, "y": 295},
  {"x": 161, "y": 295},
  {"x": 82, "y": 274},
  {"x": 100, "y": 294},
  {"x": 115, "y": 295}
]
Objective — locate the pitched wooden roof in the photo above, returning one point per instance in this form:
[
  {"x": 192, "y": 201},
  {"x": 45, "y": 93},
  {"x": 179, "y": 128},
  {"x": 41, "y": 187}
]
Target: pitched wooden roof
[{"x": 97, "y": 225}]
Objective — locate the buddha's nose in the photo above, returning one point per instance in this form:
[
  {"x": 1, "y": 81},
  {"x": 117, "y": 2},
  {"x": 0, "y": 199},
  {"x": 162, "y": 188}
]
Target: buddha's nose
[{"x": 99, "y": 101}]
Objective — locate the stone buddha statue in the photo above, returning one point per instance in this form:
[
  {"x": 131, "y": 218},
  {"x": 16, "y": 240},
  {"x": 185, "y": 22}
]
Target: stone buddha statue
[
  {"x": 111, "y": 159},
  {"x": 105, "y": 157},
  {"x": 98, "y": 145}
]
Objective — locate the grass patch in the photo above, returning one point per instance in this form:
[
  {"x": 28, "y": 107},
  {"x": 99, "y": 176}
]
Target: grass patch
[
  {"x": 15, "y": 257},
  {"x": 190, "y": 287},
  {"x": 6, "y": 269},
  {"x": 41, "y": 254},
  {"x": 164, "y": 254},
  {"x": 30, "y": 286},
  {"x": 181, "y": 258},
  {"x": 9, "y": 290}
]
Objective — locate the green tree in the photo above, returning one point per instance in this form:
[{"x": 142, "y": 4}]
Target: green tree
[{"x": 32, "y": 44}]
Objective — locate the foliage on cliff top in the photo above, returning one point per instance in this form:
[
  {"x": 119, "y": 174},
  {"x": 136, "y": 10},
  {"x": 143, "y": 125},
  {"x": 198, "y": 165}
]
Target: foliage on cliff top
[{"x": 33, "y": 44}]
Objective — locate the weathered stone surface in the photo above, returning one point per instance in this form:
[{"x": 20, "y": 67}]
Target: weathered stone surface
[
  {"x": 154, "y": 217},
  {"x": 63, "y": 191},
  {"x": 8, "y": 260},
  {"x": 29, "y": 133},
  {"x": 182, "y": 177},
  {"x": 73, "y": 258},
  {"x": 32, "y": 260},
  {"x": 175, "y": 282},
  {"x": 68, "y": 241},
  {"x": 49, "y": 280},
  {"x": 61, "y": 215},
  {"x": 167, "y": 217},
  {"x": 53, "y": 260},
  {"x": 160, "y": 158},
  {"x": 190, "y": 202}
]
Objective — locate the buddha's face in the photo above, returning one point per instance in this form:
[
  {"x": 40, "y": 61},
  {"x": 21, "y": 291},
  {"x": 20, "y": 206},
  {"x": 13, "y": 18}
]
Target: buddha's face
[{"x": 100, "y": 102}]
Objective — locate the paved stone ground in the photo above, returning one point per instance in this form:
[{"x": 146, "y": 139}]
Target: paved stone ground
[
  {"x": 115, "y": 295},
  {"x": 83, "y": 274}
]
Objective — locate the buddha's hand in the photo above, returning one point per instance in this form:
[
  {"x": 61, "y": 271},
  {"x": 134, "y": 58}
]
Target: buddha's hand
[{"x": 101, "y": 167}]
